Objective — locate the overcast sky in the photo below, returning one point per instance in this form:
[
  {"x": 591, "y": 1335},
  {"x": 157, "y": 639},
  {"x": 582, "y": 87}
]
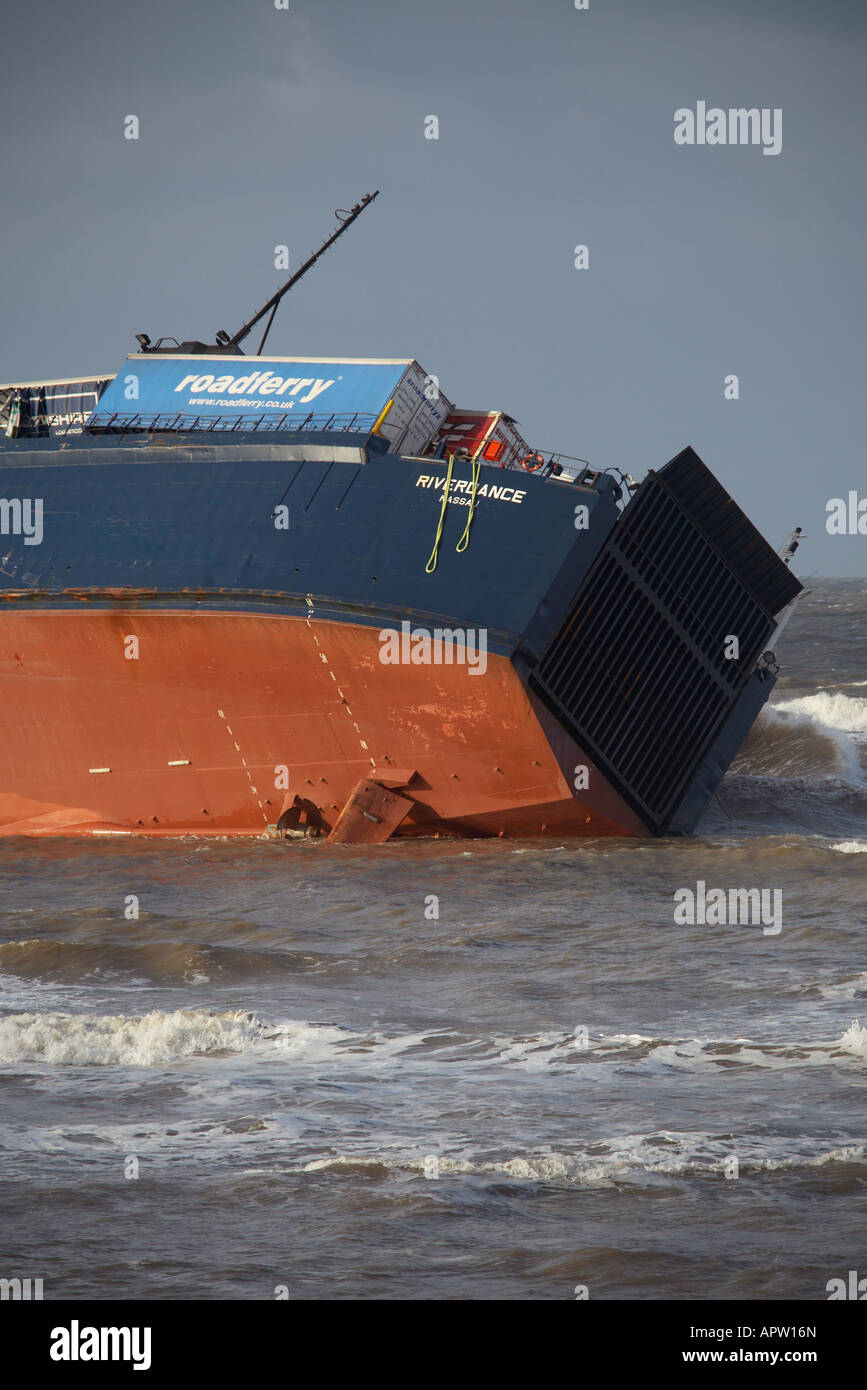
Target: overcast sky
[{"x": 556, "y": 129}]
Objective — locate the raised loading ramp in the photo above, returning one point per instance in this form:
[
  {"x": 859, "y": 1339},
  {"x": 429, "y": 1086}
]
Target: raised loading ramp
[{"x": 638, "y": 673}]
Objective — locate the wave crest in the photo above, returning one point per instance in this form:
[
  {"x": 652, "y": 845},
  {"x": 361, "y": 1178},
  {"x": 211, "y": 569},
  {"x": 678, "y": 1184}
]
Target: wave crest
[
  {"x": 117, "y": 1040},
  {"x": 812, "y": 736}
]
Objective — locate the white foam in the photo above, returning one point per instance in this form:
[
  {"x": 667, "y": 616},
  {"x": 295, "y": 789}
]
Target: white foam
[
  {"x": 854, "y": 1039},
  {"x": 552, "y": 1051},
  {"x": 851, "y": 847},
  {"x": 158, "y": 1038},
  {"x": 312, "y": 1041},
  {"x": 845, "y": 713},
  {"x": 124, "y": 1040},
  {"x": 598, "y": 1161},
  {"x": 845, "y": 989},
  {"x": 624, "y": 1157}
]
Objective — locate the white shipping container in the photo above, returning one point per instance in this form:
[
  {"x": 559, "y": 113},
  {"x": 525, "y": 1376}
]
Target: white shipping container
[{"x": 418, "y": 410}]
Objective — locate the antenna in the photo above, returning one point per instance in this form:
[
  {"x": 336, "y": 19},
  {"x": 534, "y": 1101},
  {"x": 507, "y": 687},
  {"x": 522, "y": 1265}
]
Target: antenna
[
  {"x": 346, "y": 219},
  {"x": 223, "y": 343}
]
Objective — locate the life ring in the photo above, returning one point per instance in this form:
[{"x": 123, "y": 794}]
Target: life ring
[{"x": 530, "y": 467}]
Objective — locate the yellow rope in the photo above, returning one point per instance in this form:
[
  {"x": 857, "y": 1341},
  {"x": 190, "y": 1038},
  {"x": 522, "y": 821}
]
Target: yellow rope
[
  {"x": 465, "y": 538},
  {"x": 432, "y": 562}
]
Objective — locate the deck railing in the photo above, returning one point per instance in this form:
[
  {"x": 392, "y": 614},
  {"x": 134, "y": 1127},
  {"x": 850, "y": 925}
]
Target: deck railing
[{"x": 289, "y": 422}]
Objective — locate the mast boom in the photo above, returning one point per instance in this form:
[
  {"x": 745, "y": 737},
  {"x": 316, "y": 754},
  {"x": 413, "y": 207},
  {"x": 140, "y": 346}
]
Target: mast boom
[{"x": 275, "y": 299}]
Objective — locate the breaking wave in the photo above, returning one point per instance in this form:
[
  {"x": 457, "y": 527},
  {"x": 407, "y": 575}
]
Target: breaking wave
[
  {"x": 812, "y": 736},
  {"x": 850, "y": 987},
  {"x": 628, "y": 1157},
  {"x": 802, "y": 768},
  {"x": 688, "y": 1054},
  {"x": 831, "y": 709},
  {"x": 160, "y": 1039},
  {"x": 114, "y": 1040}
]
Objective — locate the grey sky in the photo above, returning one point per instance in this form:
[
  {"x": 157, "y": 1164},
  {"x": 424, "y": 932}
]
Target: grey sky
[{"x": 556, "y": 128}]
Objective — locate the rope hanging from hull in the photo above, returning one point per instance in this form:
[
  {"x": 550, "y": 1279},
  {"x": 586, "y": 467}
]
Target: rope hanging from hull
[
  {"x": 465, "y": 538},
  {"x": 432, "y": 562}
]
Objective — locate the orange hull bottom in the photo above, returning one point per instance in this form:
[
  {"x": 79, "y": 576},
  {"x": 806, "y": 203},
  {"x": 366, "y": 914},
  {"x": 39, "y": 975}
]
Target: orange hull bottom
[{"x": 220, "y": 715}]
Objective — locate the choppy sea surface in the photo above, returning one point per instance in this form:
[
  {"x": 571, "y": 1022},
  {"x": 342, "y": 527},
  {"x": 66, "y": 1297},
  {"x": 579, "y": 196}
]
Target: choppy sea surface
[{"x": 287, "y": 1070}]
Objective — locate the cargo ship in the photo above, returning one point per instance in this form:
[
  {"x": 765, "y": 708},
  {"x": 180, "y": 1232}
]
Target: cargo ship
[{"x": 292, "y": 596}]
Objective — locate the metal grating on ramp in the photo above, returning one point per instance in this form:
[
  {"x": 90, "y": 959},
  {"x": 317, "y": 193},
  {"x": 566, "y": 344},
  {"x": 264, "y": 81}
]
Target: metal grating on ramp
[
  {"x": 637, "y": 672},
  {"x": 747, "y": 552}
]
